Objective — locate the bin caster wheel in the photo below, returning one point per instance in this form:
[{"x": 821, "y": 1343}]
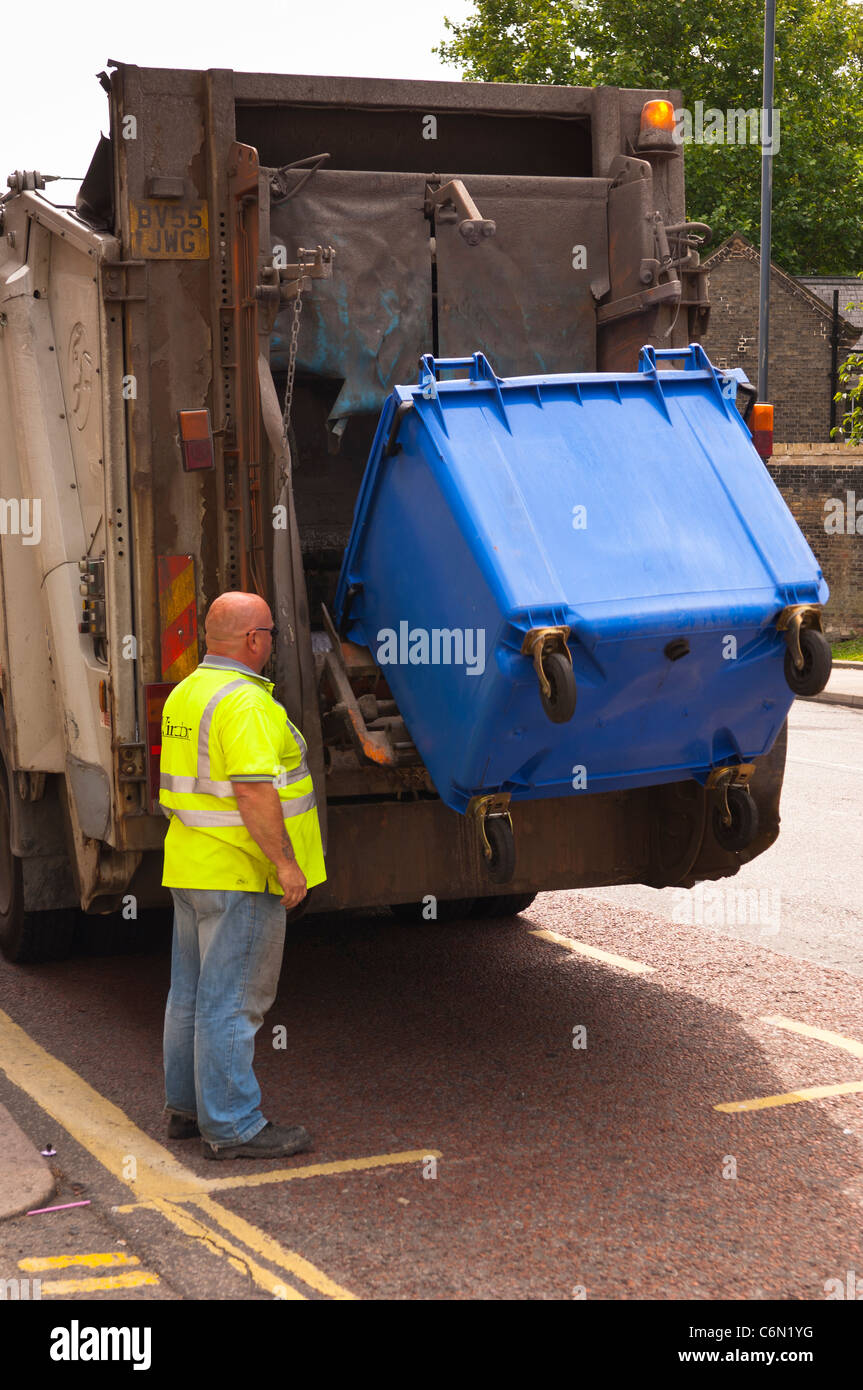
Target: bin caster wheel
[
  {"x": 501, "y": 865},
  {"x": 813, "y": 675},
  {"x": 744, "y": 821},
  {"x": 559, "y": 704}
]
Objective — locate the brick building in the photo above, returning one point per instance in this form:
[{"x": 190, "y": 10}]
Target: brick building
[
  {"x": 823, "y": 486},
  {"x": 800, "y": 338},
  {"x": 849, "y": 292}
]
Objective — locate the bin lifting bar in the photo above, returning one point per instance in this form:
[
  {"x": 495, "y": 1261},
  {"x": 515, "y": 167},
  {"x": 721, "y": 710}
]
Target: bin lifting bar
[
  {"x": 454, "y": 204},
  {"x": 721, "y": 778},
  {"x": 791, "y": 620},
  {"x": 542, "y": 639},
  {"x": 481, "y": 807}
]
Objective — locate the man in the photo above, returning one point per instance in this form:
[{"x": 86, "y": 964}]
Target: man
[{"x": 243, "y": 845}]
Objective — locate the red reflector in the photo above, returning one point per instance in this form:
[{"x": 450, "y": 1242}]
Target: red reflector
[{"x": 197, "y": 453}]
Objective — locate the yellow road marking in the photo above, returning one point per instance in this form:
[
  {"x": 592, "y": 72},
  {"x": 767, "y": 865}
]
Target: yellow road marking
[
  {"x": 842, "y": 1088},
  {"x": 96, "y": 1123},
  {"x": 269, "y": 1249},
  {"x": 216, "y": 1243},
  {"x": 822, "y": 1034},
  {"x": 635, "y": 967},
  {"x": 110, "y": 1136},
  {"x": 110, "y": 1257},
  {"x": 310, "y": 1170},
  {"x": 110, "y": 1281},
  {"x": 806, "y": 1030}
]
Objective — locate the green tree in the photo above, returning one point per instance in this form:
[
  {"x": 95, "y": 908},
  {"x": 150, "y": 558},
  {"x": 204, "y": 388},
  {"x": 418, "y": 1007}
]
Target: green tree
[
  {"x": 715, "y": 58},
  {"x": 850, "y": 397}
]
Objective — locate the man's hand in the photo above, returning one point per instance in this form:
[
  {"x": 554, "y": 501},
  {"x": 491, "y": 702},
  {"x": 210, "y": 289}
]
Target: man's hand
[
  {"x": 261, "y": 810},
  {"x": 293, "y": 881}
]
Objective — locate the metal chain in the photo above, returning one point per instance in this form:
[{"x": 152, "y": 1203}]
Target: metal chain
[{"x": 292, "y": 358}]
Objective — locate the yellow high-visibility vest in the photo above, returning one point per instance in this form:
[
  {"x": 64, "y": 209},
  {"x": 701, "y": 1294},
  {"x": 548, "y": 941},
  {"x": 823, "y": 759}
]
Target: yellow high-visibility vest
[{"x": 221, "y": 725}]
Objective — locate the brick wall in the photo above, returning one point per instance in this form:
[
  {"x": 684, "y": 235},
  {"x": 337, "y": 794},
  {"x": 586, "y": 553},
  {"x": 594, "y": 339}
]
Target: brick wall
[
  {"x": 799, "y": 364},
  {"x": 809, "y": 476}
]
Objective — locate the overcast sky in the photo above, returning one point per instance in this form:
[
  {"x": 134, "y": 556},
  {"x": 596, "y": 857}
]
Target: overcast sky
[{"x": 53, "y": 108}]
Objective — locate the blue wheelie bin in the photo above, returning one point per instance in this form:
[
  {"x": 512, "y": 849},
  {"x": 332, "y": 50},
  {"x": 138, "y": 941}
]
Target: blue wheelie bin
[{"x": 581, "y": 582}]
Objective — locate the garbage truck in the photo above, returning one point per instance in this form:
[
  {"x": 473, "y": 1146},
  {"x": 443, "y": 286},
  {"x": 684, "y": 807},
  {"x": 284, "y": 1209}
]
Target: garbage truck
[{"x": 199, "y": 364}]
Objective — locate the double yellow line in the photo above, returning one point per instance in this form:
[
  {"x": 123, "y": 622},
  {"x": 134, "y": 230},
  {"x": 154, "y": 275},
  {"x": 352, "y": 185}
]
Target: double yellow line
[{"x": 160, "y": 1181}]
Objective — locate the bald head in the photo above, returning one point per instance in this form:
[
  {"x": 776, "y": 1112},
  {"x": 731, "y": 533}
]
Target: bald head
[{"x": 234, "y": 627}]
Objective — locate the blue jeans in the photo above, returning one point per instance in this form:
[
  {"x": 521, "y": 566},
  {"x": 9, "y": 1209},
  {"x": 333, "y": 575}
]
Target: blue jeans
[{"x": 225, "y": 963}]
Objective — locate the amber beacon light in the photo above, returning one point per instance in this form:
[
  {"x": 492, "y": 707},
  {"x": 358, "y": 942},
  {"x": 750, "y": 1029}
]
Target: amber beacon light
[
  {"x": 656, "y": 131},
  {"x": 761, "y": 428}
]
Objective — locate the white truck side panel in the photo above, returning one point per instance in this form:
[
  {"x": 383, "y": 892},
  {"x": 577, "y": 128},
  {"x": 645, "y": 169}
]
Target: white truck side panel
[
  {"x": 47, "y": 474},
  {"x": 33, "y": 727},
  {"x": 73, "y": 296}
]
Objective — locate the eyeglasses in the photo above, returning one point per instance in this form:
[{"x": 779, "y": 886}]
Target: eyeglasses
[{"x": 273, "y": 631}]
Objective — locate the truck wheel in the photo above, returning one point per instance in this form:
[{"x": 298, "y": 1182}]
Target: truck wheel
[
  {"x": 448, "y": 910},
  {"x": 507, "y": 905},
  {"x": 811, "y": 678},
  {"x": 501, "y": 866},
  {"x": 560, "y": 704},
  {"x": 25, "y": 936},
  {"x": 744, "y": 821}
]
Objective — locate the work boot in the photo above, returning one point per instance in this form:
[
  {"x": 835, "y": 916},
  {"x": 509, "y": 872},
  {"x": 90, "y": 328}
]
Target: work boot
[
  {"x": 182, "y": 1127},
  {"x": 273, "y": 1141}
]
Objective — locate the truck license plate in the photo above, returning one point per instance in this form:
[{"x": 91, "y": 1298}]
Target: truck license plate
[{"x": 164, "y": 230}]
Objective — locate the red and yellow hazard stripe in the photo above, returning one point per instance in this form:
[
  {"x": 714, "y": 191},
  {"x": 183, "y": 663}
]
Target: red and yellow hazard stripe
[{"x": 178, "y": 616}]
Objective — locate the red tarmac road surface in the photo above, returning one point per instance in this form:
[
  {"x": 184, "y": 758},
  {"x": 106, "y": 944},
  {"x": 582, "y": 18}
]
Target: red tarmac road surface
[{"x": 597, "y": 1168}]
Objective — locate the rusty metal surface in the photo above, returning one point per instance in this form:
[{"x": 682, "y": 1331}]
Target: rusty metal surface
[
  {"x": 168, "y": 336},
  {"x": 263, "y": 88},
  {"x": 385, "y": 852},
  {"x": 247, "y": 489}
]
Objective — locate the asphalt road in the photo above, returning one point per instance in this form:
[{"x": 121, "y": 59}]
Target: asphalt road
[
  {"x": 804, "y": 896},
  {"x": 522, "y": 1109}
]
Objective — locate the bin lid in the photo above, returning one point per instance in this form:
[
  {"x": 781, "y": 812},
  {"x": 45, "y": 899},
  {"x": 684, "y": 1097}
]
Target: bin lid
[{"x": 606, "y": 493}]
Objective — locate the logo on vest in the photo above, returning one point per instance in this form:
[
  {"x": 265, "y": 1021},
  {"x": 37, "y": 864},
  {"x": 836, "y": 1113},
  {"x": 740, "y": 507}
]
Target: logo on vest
[{"x": 170, "y": 730}]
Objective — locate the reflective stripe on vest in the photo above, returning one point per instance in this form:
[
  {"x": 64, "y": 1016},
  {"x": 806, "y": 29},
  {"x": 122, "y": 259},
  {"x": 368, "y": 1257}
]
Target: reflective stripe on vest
[
  {"x": 203, "y": 784},
  {"x": 297, "y": 807},
  {"x": 204, "y": 749},
  {"x": 172, "y": 783}
]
